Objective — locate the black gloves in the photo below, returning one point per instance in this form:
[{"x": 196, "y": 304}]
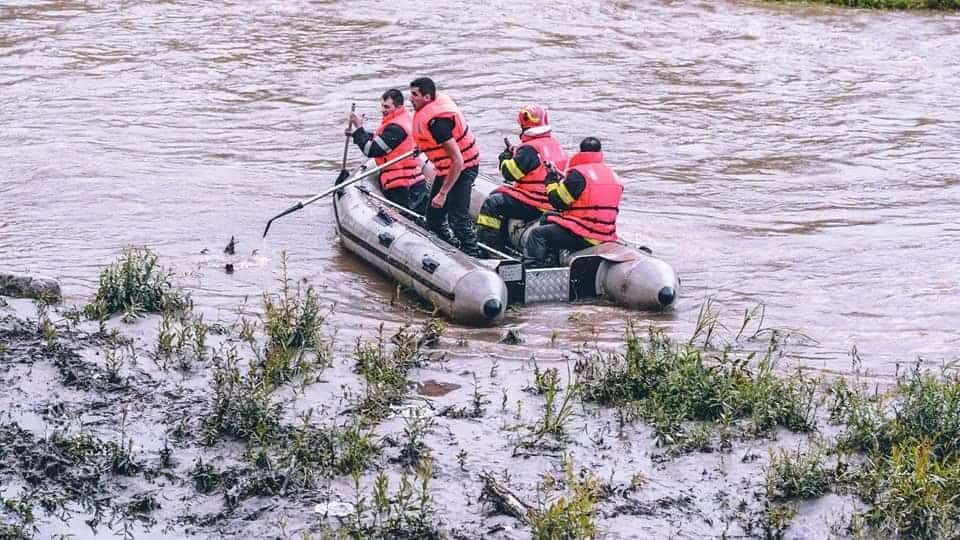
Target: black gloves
[
  {"x": 552, "y": 177},
  {"x": 543, "y": 218},
  {"x": 505, "y": 155}
]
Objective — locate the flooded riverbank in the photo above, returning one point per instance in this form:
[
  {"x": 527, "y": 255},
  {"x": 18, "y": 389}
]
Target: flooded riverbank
[
  {"x": 270, "y": 424},
  {"x": 799, "y": 157}
]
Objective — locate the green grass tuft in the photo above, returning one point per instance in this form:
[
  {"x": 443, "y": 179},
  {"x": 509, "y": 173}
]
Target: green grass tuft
[{"x": 135, "y": 285}]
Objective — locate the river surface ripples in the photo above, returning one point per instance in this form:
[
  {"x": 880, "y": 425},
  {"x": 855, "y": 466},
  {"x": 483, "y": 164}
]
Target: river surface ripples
[{"x": 805, "y": 158}]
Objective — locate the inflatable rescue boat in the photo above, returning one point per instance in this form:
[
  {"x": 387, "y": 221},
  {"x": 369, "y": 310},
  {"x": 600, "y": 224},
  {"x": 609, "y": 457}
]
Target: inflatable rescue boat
[{"x": 476, "y": 291}]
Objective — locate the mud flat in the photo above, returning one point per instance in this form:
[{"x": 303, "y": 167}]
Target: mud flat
[{"x": 135, "y": 415}]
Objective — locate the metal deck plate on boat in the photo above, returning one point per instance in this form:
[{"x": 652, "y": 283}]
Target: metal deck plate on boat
[{"x": 547, "y": 285}]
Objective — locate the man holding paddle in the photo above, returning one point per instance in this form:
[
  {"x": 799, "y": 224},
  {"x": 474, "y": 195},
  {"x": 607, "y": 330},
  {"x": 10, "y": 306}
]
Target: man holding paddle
[
  {"x": 442, "y": 134},
  {"x": 402, "y": 182}
]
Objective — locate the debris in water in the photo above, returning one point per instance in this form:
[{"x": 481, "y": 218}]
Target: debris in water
[
  {"x": 204, "y": 251},
  {"x": 231, "y": 247},
  {"x": 228, "y": 268},
  {"x": 434, "y": 388},
  {"x": 512, "y": 337}
]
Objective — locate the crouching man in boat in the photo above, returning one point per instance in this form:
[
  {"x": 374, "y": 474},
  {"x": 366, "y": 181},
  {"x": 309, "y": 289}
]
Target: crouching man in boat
[
  {"x": 441, "y": 132},
  {"x": 402, "y": 182},
  {"x": 588, "y": 200},
  {"x": 523, "y": 167}
]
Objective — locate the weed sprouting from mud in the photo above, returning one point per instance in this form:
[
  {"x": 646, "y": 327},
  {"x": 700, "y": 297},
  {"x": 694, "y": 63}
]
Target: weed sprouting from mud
[
  {"x": 242, "y": 404},
  {"x": 556, "y": 411},
  {"x": 669, "y": 384},
  {"x": 310, "y": 452},
  {"x": 798, "y": 475},
  {"x": 385, "y": 371},
  {"x": 911, "y": 437},
  {"x": 17, "y": 521},
  {"x": 417, "y": 426},
  {"x": 571, "y": 514},
  {"x": 293, "y": 318},
  {"x": 293, "y": 321},
  {"x": 406, "y": 513},
  {"x": 135, "y": 285}
]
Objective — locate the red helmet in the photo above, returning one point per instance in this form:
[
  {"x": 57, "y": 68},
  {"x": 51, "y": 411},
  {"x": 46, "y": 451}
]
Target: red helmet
[{"x": 532, "y": 116}]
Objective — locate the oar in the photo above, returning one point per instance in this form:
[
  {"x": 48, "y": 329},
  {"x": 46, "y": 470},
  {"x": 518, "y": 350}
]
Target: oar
[
  {"x": 345, "y": 183},
  {"x": 410, "y": 212},
  {"x": 346, "y": 145}
]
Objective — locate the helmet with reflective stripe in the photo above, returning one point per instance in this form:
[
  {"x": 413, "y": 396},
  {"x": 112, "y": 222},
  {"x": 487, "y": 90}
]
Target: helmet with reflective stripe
[{"x": 532, "y": 116}]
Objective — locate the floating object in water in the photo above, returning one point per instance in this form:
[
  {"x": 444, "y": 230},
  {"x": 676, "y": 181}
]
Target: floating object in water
[
  {"x": 231, "y": 246},
  {"x": 204, "y": 251},
  {"x": 512, "y": 337},
  {"x": 228, "y": 268}
]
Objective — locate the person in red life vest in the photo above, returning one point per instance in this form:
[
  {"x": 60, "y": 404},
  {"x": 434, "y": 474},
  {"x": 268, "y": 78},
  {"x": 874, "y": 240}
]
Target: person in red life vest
[
  {"x": 523, "y": 167},
  {"x": 442, "y": 134},
  {"x": 588, "y": 200},
  {"x": 402, "y": 182}
]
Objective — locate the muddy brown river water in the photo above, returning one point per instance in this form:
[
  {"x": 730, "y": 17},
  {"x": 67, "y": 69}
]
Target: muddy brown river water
[{"x": 804, "y": 158}]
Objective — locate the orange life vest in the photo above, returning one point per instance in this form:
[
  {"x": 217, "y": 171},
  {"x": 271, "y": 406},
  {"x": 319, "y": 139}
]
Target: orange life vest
[
  {"x": 444, "y": 107},
  {"x": 593, "y": 215},
  {"x": 404, "y": 173},
  {"x": 530, "y": 189}
]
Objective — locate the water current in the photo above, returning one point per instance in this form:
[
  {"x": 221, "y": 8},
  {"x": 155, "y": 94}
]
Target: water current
[{"x": 805, "y": 158}]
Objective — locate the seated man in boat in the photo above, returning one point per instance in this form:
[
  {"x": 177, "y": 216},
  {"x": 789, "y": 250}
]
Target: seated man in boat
[
  {"x": 442, "y": 133},
  {"x": 523, "y": 168},
  {"x": 587, "y": 197},
  {"x": 402, "y": 182}
]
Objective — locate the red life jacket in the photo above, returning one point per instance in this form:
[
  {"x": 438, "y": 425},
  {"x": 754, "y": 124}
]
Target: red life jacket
[
  {"x": 530, "y": 189},
  {"x": 593, "y": 215},
  {"x": 444, "y": 107},
  {"x": 404, "y": 173}
]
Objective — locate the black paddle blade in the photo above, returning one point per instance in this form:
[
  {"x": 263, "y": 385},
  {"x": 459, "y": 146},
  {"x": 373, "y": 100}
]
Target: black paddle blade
[
  {"x": 293, "y": 208},
  {"x": 343, "y": 176}
]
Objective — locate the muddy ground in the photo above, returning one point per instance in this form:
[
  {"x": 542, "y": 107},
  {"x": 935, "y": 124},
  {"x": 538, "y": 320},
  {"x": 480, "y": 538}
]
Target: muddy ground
[{"x": 102, "y": 435}]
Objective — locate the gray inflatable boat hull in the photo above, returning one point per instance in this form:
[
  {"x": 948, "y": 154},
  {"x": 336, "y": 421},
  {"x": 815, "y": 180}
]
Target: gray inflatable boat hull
[{"x": 463, "y": 288}]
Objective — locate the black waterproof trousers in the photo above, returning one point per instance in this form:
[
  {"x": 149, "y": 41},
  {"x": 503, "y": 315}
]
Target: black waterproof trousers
[
  {"x": 545, "y": 242},
  {"x": 456, "y": 211}
]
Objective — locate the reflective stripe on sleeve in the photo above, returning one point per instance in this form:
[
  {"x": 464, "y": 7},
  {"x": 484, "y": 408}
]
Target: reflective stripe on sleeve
[
  {"x": 488, "y": 221},
  {"x": 512, "y": 168},
  {"x": 562, "y": 192}
]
